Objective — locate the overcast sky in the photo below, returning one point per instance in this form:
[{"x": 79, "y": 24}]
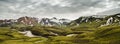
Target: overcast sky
[{"x": 70, "y": 9}]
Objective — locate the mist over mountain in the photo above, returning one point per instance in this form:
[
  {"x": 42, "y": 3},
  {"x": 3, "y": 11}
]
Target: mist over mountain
[{"x": 70, "y": 9}]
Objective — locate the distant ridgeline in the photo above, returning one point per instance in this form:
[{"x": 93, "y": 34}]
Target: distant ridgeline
[
  {"x": 31, "y": 21},
  {"x": 103, "y": 20}
]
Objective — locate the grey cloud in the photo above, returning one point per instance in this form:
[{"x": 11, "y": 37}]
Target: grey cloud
[{"x": 55, "y": 7}]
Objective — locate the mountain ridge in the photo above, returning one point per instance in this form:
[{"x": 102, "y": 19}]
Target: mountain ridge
[{"x": 31, "y": 21}]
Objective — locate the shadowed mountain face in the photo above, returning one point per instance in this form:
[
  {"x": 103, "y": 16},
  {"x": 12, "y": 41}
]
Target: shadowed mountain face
[{"x": 108, "y": 19}]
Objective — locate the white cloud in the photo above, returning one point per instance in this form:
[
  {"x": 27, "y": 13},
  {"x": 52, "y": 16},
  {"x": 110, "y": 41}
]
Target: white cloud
[
  {"x": 61, "y": 3},
  {"x": 108, "y": 5},
  {"x": 70, "y": 9}
]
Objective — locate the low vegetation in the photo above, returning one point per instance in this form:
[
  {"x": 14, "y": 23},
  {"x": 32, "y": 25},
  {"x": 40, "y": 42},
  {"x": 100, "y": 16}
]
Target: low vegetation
[{"x": 86, "y": 33}]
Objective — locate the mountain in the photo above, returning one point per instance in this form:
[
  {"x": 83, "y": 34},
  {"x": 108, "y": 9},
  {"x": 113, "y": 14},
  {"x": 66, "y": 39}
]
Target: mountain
[
  {"x": 86, "y": 19},
  {"x": 54, "y": 22},
  {"x": 7, "y": 22},
  {"x": 111, "y": 19},
  {"x": 31, "y": 21},
  {"x": 28, "y": 20},
  {"x": 44, "y": 21}
]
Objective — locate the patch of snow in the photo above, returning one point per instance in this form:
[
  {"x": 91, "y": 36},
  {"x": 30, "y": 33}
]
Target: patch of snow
[
  {"x": 28, "y": 33},
  {"x": 116, "y": 20},
  {"x": 65, "y": 20},
  {"x": 97, "y": 20},
  {"x": 54, "y": 21},
  {"x": 109, "y": 21},
  {"x": 70, "y": 35},
  {"x": 87, "y": 20},
  {"x": 83, "y": 19}
]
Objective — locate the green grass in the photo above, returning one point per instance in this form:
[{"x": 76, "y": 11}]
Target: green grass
[
  {"x": 86, "y": 33},
  {"x": 107, "y": 35}
]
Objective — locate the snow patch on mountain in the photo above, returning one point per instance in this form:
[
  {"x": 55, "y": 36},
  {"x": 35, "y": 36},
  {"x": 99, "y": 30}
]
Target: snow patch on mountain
[
  {"x": 109, "y": 21},
  {"x": 54, "y": 21}
]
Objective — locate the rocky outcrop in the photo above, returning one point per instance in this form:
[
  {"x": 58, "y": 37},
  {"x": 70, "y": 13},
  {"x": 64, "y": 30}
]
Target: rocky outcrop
[{"x": 28, "y": 20}]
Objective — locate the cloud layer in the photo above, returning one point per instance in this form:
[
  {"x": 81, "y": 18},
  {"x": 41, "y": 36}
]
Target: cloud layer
[{"x": 70, "y": 9}]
